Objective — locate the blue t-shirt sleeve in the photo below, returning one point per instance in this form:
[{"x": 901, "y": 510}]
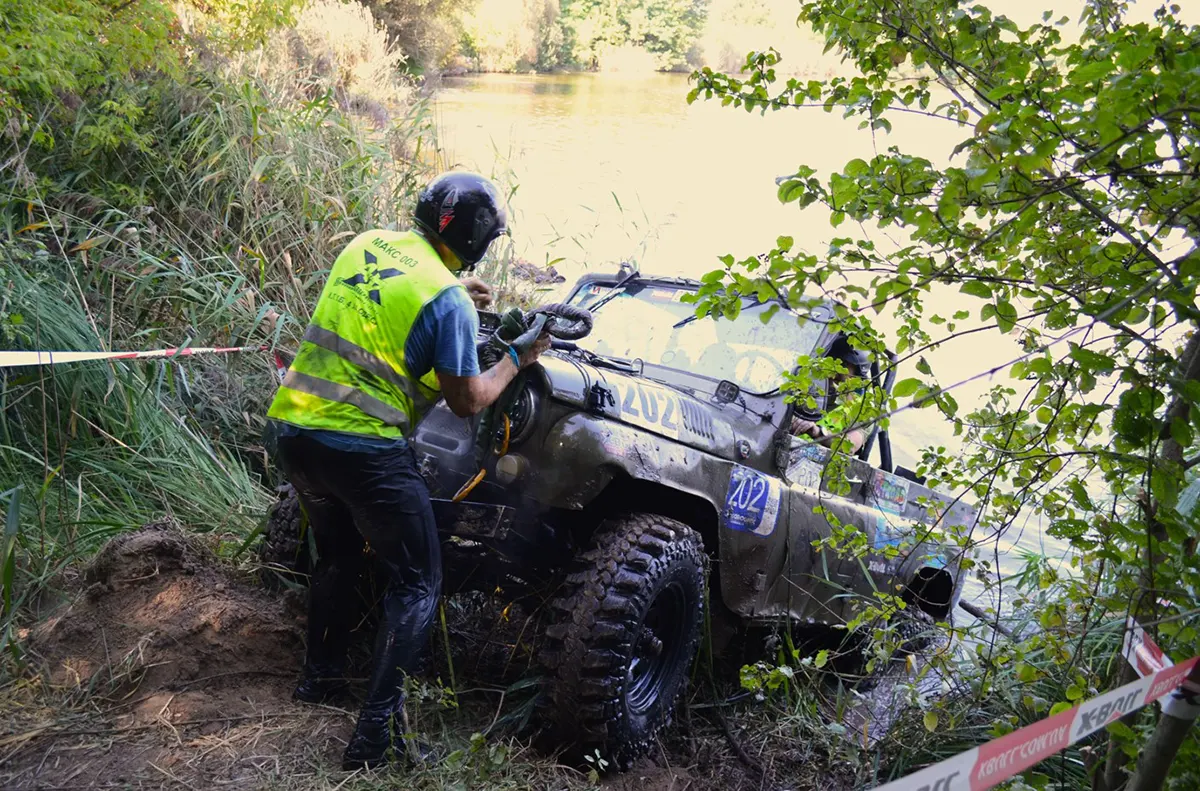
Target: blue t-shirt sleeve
[{"x": 443, "y": 337}]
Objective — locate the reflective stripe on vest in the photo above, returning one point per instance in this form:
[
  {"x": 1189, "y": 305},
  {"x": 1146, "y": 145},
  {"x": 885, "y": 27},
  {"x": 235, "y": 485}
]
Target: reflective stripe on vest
[
  {"x": 351, "y": 374},
  {"x": 357, "y": 355},
  {"x": 331, "y": 391}
]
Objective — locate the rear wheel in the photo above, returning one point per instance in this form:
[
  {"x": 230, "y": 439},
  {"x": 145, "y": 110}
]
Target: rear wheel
[
  {"x": 284, "y": 551},
  {"x": 625, "y": 630}
]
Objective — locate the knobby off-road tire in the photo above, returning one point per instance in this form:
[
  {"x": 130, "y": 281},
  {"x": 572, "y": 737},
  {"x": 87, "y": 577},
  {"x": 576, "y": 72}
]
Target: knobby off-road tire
[
  {"x": 284, "y": 552},
  {"x": 623, "y": 634},
  {"x": 916, "y": 629}
]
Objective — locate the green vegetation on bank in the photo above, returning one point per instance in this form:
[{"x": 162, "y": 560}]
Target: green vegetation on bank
[
  {"x": 173, "y": 182},
  {"x": 455, "y": 36},
  {"x": 1068, "y": 220},
  {"x": 183, "y": 176}
]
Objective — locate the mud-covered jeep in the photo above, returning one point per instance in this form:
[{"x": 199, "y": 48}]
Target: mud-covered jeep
[{"x": 635, "y": 460}]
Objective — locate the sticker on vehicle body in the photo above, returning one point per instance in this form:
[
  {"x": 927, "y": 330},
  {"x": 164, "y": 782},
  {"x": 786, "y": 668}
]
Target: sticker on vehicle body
[
  {"x": 806, "y": 473},
  {"x": 890, "y": 492},
  {"x": 816, "y": 452},
  {"x": 654, "y": 408},
  {"x": 887, "y": 534},
  {"x": 934, "y": 561},
  {"x": 752, "y": 502}
]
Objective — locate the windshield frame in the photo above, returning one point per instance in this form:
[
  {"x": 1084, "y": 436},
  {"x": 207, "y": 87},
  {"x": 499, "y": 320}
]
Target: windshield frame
[{"x": 822, "y": 314}]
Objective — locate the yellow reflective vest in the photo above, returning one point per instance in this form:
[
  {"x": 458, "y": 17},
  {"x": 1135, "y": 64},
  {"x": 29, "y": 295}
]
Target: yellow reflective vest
[{"x": 349, "y": 374}]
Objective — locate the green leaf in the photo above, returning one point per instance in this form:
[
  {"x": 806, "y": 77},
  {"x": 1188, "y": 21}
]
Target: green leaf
[
  {"x": 822, "y": 658},
  {"x": 1092, "y": 361},
  {"x": 931, "y": 721},
  {"x": 1006, "y": 316},
  {"x": 1079, "y": 495},
  {"x": 976, "y": 288},
  {"x": 8, "y": 557},
  {"x": 1121, "y": 731},
  {"x": 1059, "y": 708},
  {"x": 1181, "y": 432},
  {"x": 906, "y": 387},
  {"x": 1091, "y": 72},
  {"x": 1073, "y": 693}
]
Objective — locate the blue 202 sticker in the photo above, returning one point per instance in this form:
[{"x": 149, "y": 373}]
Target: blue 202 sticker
[{"x": 752, "y": 502}]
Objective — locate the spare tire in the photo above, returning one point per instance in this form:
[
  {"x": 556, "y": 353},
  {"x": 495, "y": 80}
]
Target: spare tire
[{"x": 624, "y": 631}]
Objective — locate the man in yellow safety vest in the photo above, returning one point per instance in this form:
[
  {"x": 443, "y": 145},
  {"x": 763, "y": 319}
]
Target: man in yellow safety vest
[{"x": 393, "y": 330}]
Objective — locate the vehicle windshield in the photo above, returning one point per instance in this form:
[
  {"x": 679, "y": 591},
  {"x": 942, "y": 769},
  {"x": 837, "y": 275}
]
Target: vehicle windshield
[{"x": 639, "y": 323}]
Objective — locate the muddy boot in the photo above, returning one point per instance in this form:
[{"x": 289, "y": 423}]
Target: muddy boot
[
  {"x": 321, "y": 685},
  {"x": 372, "y": 738},
  {"x": 379, "y": 737}
]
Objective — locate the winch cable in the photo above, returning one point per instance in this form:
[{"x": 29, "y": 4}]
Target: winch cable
[{"x": 559, "y": 320}]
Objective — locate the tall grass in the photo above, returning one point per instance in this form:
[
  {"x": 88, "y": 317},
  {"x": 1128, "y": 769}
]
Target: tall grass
[
  {"x": 102, "y": 446},
  {"x": 219, "y": 232}
]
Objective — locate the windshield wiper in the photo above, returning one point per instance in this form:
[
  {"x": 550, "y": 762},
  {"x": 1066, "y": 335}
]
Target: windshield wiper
[
  {"x": 592, "y": 358},
  {"x": 617, "y": 289},
  {"x": 615, "y": 363},
  {"x": 685, "y": 320}
]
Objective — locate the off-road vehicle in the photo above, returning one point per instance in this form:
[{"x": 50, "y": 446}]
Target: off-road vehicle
[{"x": 646, "y": 471}]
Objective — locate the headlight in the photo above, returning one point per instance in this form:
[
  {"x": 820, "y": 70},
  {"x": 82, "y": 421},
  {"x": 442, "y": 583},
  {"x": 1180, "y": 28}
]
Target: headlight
[
  {"x": 510, "y": 467},
  {"x": 522, "y": 416}
]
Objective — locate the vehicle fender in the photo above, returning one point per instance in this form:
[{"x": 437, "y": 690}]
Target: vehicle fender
[{"x": 582, "y": 453}]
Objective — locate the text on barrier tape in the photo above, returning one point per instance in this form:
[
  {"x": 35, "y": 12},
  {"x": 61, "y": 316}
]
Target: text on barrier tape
[{"x": 992, "y": 763}]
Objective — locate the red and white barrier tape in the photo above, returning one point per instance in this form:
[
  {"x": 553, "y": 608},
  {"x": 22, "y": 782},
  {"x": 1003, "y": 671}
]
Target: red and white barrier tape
[
  {"x": 992, "y": 763},
  {"x": 12, "y": 359},
  {"x": 1147, "y": 659}
]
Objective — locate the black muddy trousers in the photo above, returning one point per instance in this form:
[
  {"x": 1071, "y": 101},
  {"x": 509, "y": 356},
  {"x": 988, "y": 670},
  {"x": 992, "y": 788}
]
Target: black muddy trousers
[{"x": 379, "y": 497}]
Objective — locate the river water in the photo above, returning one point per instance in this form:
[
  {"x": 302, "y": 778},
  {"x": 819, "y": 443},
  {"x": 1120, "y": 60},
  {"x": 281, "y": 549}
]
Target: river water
[{"x": 611, "y": 167}]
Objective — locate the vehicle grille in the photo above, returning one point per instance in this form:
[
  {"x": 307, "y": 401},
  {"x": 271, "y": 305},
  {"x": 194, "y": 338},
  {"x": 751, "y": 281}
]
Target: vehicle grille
[{"x": 696, "y": 420}]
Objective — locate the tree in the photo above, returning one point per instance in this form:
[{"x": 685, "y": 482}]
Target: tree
[
  {"x": 428, "y": 32},
  {"x": 1072, "y": 215},
  {"x": 90, "y": 66},
  {"x": 665, "y": 28}
]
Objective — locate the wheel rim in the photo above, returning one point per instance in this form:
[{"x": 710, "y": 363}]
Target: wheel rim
[{"x": 657, "y": 647}]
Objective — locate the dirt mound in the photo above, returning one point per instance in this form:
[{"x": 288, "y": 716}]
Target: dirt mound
[
  {"x": 161, "y": 616},
  {"x": 167, "y": 648}
]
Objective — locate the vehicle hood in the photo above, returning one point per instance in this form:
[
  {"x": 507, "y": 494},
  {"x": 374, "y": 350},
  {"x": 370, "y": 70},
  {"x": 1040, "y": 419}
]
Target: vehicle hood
[{"x": 646, "y": 404}]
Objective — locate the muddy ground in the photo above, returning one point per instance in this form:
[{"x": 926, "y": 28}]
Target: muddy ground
[{"x": 166, "y": 668}]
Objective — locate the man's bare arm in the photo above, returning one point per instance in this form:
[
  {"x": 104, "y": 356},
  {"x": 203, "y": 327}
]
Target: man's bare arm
[
  {"x": 469, "y": 395},
  {"x": 854, "y": 437}
]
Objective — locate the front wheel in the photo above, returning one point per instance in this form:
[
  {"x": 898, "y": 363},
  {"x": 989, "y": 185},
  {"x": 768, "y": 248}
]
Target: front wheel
[{"x": 625, "y": 630}]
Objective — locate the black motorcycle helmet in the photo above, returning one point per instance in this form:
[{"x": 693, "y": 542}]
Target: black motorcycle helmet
[
  {"x": 857, "y": 361},
  {"x": 462, "y": 211}
]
